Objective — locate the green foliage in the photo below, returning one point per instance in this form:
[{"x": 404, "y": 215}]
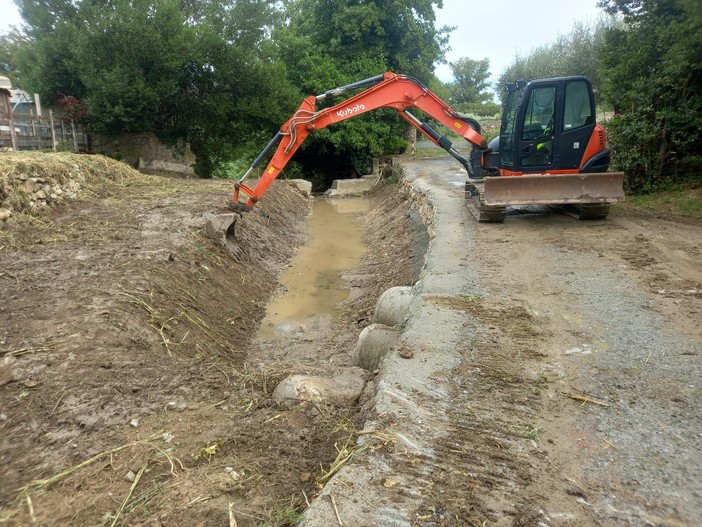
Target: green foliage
[
  {"x": 481, "y": 109},
  {"x": 65, "y": 146},
  {"x": 471, "y": 81},
  {"x": 328, "y": 44},
  {"x": 9, "y": 48},
  {"x": 225, "y": 75},
  {"x": 682, "y": 199},
  {"x": 130, "y": 57},
  {"x": 231, "y": 169},
  {"x": 571, "y": 54},
  {"x": 652, "y": 70}
]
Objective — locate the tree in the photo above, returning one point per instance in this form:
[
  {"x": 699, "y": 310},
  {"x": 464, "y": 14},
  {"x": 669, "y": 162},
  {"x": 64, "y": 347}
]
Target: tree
[
  {"x": 10, "y": 45},
  {"x": 652, "y": 71},
  {"x": 199, "y": 70},
  {"x": 471, "y": 80},
  {"x": 571, "y": 54},
  {"x": 130, "y": 56},
  {"x": 329, "y": 43}
]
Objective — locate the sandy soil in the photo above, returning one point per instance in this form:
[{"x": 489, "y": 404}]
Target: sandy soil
[{"x": 132, "y": 391}]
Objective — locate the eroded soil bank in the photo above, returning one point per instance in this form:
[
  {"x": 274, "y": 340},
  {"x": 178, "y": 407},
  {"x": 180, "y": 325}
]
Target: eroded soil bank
[{"x": 130, "y": 392}]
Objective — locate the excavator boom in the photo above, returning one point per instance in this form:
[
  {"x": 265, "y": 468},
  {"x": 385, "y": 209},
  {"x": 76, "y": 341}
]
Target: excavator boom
[{"x": 391, "y": 90}]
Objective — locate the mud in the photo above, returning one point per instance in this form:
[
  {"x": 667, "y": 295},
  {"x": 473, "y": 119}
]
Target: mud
[
  {"x": 131, "y": 387},
  {"x": 312, "y": 287}
]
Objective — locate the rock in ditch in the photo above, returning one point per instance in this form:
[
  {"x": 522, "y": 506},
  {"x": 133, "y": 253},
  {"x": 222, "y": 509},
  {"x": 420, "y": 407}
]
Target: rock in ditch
[{"x": 343, "y": 388}]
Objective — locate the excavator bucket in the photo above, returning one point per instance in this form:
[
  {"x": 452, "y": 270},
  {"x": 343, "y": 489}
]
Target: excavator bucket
[
  {"x": 590, "y": 194},
  {"x": 220, "y": 227}
]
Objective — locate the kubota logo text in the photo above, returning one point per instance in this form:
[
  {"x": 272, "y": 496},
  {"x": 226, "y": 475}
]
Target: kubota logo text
[{"x": 351, "y": 110}]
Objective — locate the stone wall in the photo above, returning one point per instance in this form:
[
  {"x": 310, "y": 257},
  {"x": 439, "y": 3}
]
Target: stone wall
[{"x": 147, "y": 154}]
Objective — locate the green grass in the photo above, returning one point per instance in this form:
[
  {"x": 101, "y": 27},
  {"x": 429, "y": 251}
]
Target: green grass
[{"x": 685, "y": 203}]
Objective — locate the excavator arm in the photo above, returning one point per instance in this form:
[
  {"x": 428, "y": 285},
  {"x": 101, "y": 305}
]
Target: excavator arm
[{"x": 389, "y": 90}]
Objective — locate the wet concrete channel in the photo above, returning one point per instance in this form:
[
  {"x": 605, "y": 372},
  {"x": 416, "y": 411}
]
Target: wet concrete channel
[{"x": 312, "y": 287}]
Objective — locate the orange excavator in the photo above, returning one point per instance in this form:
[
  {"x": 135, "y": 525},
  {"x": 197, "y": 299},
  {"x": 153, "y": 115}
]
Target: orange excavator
[{"x": 550, "y": 150}]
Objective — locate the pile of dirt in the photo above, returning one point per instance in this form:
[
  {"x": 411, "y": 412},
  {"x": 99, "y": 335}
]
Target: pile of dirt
[
  {"x": 127, "y": 395},
  {"x": 30, "y": 181}
]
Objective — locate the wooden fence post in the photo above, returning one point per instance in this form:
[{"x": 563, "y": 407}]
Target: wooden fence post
[
  {"x": 13, "y": 135},
  {"x": 53, "y": 132},
  {"x": 75, "y": 137}
]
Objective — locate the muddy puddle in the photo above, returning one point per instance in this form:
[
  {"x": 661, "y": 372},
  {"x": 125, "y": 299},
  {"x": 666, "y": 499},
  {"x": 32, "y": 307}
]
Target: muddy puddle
[{"x": 312, "y": 288}]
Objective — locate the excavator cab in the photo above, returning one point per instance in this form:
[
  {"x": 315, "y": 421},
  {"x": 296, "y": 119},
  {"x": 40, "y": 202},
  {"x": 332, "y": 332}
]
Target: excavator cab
[
  {"x": 547, "y": 125},
  {"x": 549, "y": 138}
]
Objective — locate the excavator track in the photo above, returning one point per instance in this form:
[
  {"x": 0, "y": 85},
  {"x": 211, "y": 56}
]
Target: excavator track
[
  {"x": 475, "y": 200},
  {"x": 589, "y": 211}
]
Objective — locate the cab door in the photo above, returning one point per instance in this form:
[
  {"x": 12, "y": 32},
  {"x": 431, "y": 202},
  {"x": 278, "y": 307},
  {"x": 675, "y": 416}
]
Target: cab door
[
  {"x": 538, "y": 140},
  {"x": 578, "y": 122}
]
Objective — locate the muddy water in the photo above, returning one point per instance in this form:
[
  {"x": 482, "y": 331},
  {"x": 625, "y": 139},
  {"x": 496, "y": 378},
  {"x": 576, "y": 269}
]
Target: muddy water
[{"x": 313, "y": 286}]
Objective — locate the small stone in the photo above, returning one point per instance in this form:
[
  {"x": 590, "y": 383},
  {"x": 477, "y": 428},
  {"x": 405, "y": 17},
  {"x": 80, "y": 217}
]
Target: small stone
[
  {"x": 3, "y": 417},
  {"x": 167, "y": 437},
  {"x": 181, "y": 407},
  {"x": 406, "y": 353},
  {"x": 134, "y": 422},
  {"x": 130, "y": 476},
  {"x": 40, "y": 194},
  {"x": 171, "y": 405},
  {"x": 5, "y": 214}
]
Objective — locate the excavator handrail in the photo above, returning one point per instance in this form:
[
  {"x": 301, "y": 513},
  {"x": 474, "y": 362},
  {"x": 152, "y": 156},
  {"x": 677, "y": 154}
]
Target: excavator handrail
[{"x": 390, "y": 90}]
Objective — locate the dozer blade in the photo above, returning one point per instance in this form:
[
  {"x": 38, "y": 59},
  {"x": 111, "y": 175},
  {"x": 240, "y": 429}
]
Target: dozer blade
[{"x": 589, "y": 194}]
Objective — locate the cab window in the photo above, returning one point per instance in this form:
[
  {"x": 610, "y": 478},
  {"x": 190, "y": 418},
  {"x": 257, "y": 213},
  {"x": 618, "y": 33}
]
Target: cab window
[
  {"x": 540, "y": 114},
  {"x": 538, "y": 127},
  {"x": 578, "y": 110},
  {"x": 507, "y": 134}
]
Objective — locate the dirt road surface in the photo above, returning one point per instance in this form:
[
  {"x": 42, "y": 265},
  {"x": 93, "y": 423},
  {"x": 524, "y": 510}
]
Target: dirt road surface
[
  {"x": 576, "y": 400},
  {"x": 548, "y": 372}
]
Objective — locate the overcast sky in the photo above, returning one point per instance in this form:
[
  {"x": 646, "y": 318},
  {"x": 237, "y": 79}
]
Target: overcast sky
[
  {"x": 494, "y": 29},
  {"x": 8, "y": 15},
  {"x": 499, "y": 29}
]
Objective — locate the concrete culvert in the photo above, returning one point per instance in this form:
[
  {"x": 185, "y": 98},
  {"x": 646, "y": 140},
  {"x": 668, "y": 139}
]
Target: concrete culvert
[
  {"x": 391, "y": 308},
  {"x": 374, "y": 342}
]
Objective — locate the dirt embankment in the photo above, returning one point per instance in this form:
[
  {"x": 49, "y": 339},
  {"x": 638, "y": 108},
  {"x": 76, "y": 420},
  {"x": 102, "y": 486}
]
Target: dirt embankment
[{"x": 126, "y": 390}]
